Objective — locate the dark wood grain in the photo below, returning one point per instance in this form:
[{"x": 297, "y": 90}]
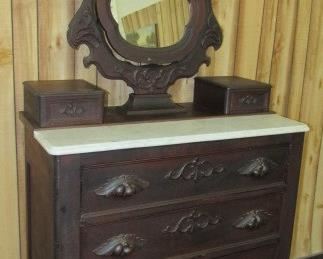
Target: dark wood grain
[
  {"x": 41, "y": 199},
  {"x": 63, "y": 103},
  {"x": 161, "y": 244},
  {"x": 148, "y": 71},
  {"x": 177, "y": 176},
  {"x": 196, "y": 195},
  {"x": 231, "y": 95}
]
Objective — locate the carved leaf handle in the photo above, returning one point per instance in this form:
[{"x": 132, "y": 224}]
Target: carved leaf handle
[
  {"x": 252, "y": 220},
  {"x": 194, "y": 221},
  {"x": 121, "y": 245},
  {"x": 122, "y": 186},
  {"x": 259, "y": 167},
  {"x": 195, "y": 170}
]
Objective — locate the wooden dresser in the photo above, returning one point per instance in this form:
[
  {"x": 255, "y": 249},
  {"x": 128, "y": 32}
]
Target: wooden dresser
[{"x": 200, "y": 188}]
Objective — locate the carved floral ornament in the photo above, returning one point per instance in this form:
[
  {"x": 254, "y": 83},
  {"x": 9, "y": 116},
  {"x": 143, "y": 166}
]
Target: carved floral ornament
[{"x": 94, "y": 25}]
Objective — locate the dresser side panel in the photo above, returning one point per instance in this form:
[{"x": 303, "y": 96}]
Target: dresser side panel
[
  {"x": 40, "y": 199},
  {"x": 67, "y": 224},
  {"x": 290, "y": 199}
]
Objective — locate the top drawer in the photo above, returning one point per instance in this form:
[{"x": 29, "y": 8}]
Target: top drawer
[{"x": 129, "y": 183}]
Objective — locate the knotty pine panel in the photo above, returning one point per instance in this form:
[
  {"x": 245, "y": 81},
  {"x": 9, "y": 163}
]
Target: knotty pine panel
[
  {"x": 276, "y": 41},
  {"x": 9, "y": 222},
  {"x": 25, "y": 33}
]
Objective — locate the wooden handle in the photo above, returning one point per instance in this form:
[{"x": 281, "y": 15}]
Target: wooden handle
[
  {"x": 122, "y": 186},
  {"x": 195, "y": 170},
  {"x": 248, "y": 100},
  {"x": 259, "y": 167},
  {"x": 72, "y": 110},
  {"x": 252, "y": 220},
  {"x": 120, "y": 246}
]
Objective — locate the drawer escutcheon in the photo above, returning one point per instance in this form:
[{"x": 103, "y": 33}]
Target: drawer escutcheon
[
  {"x": 195, "y": 170},
  {"x": 122, "y": 186},
  {"x": 252, "y": 219},
  {"x": 194, "y": 221},
  {"x": 121, "y": 245}
]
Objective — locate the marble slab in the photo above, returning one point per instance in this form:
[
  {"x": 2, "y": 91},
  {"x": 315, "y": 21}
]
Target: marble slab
[{"x": 67, "y": 141}]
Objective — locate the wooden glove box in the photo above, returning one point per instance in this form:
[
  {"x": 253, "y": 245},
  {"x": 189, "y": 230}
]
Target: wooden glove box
[
  {"x": 63, "y": 103},
  {"x": 231, "y": 95}
]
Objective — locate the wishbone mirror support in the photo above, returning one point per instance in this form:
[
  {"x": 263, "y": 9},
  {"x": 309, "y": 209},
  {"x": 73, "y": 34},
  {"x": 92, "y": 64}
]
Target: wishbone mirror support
[{"x": 94, "y": 26}]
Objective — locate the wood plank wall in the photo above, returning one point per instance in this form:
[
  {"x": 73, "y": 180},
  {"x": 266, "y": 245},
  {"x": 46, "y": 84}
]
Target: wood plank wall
[{"x": 276, "y": 41}]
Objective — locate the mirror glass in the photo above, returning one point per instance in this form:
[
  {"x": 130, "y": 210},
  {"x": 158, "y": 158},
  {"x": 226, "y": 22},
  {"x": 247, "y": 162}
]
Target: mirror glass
[{"x": 151, "y": 23}]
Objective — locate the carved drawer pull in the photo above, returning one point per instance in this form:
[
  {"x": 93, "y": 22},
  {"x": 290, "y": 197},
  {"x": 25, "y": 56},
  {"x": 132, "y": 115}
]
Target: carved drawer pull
[
  {"x": 248, "y": 100},
  {"x": 252, "y": 219},
  {"x": 194, "y": 221},
  {"x": 259, "y": 167},
  {"x": 122, "y": 186},
  {"x": 121, "y": 245},
  {"x": 72, "y": 110},
  {"x": 195, "y": 170}
]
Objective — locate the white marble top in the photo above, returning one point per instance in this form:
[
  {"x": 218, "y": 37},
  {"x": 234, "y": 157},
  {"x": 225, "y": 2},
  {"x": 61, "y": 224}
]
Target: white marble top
[{"x": 67, "y": 141}]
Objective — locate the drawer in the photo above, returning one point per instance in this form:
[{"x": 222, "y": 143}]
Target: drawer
[
  {"x": 181, "y": 229},
  {"x": 73, "y": 111},
  {"x": 231, "y": 95},
  {"x": 63, "y": 102},
  {"x": 267, "y": 252},
  {"x": 131, "y": 183},
  {"x": 247, "y": 101},
  {"x": 254, "y": 250}
]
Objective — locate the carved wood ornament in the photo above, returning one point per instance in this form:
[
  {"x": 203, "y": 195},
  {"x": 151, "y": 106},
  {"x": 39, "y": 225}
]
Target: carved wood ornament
[
  {"x": 259, "y": 167},
  {"x": 195, "y": 171},
  {"x": 196, "y": 220},
  {"x": 122, "y": 186},
  {"x": 148, "y": 71},
  {"x": 252, "y": 220},
  {"x": 120, "y": 246}
]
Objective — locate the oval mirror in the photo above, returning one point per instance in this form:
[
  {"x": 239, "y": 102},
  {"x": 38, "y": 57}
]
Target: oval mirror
[
  {"x": 148, "y": 70},
  {"x": 151, "y": 23}
]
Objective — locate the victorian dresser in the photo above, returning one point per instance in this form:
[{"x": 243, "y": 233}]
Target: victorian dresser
[{"x": 213, "y": 187}]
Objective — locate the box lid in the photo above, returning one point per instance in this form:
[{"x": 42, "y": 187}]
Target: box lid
[
  {"x": 44, "y": 88},
  {"x": 234, "y": 82}
]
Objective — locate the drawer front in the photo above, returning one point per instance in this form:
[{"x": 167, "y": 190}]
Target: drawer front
[
  {"x": 72, "y": 111},
  {"x": 182, "y": 230},
  {"x": 132, "y": 183},
  {"x": 267, "y": 252},
  {"x": 248, "y": 101}
]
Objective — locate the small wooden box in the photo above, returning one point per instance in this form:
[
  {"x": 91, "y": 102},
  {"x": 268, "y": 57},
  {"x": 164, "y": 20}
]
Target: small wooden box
[
  {"x": 63, "y": 103},
  {"x": 231, "y": 95}
]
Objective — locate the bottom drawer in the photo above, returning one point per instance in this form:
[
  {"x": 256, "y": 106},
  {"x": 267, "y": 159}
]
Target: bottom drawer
[
  {"x": 267, "y": 252},
  {"x": 261, "y": 248},
  {"x": 182, "y": 230}
]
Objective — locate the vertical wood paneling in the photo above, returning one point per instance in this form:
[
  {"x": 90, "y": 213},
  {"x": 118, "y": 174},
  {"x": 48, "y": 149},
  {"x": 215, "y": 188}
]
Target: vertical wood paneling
[
  {"x": 299, "y": 58},
  {"x": 248, "y": 39},
  {"x": 116, "y": 91},
  {"x": 26, "y": 68},
  {"x": 56, "y": 58},
  {"x": 277, "y": 41},
  {"x": 317, "y": 233},
  {"x": 9, "y": 222},
  {"x": 267, "y": 39},
  {"x": 312, "y": 114},
  {"x": 283, "y": 54}
]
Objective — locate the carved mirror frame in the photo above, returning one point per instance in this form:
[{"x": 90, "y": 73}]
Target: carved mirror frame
[{"x": 148, "y": 71}]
